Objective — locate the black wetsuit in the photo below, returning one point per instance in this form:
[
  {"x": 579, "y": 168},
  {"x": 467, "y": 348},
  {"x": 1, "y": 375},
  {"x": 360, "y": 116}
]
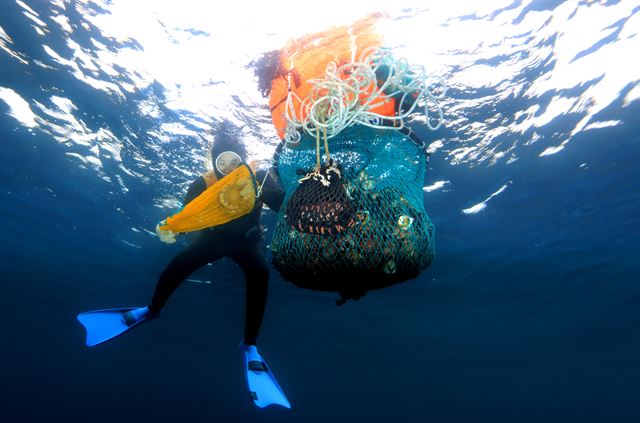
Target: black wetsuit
[{"x": 241, "y": 241}]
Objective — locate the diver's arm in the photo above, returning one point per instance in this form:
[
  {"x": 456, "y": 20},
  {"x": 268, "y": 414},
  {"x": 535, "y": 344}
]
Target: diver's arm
[
  {"x": 272, "y": 191},
  {"x": 196, "y": 188}
]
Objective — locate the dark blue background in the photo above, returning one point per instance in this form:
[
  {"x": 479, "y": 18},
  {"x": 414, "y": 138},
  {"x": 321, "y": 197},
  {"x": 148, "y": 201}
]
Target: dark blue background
[{"x": 529, "y": 312}]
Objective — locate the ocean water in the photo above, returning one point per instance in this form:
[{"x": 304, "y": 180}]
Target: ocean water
[{"x": 529, "y": 313}]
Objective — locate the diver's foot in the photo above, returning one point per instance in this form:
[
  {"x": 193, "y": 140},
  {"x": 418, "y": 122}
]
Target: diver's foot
[
  {"x": 257, "y": 366},
  {"x": 263, "y": 387},
  {"x": 133, "y": 317},
  {"x": 254, "y": 360}
]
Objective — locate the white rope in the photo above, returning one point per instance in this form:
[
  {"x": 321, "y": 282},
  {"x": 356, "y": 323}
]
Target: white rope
[
  {"x": 259, "y": 190},
  {"x": 346, "y": 96}
]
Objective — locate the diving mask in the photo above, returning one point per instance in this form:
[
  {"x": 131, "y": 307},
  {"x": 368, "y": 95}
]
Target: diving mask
[{"x": 227, "y": 162}]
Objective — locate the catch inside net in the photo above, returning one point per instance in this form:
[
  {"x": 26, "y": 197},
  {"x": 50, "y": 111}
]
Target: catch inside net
[{"x": 361, "y": 223}]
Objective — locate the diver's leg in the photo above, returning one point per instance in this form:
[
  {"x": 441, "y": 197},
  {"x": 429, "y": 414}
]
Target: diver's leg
[
  {"x": 203, "y": 250},
  {"x": 251, "y": 258}
]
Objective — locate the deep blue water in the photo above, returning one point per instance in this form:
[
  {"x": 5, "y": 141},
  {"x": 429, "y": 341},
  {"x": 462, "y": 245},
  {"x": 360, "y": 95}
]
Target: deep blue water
[{"x": 530, "y": 311}]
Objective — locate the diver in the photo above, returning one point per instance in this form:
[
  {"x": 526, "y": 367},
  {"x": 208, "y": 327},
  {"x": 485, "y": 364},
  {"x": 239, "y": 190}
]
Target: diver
[{"x": 240, "y": 239}]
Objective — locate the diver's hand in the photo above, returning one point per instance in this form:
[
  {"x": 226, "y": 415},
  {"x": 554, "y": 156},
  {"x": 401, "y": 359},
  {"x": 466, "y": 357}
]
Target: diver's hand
[{"x": 166, "y": 236}]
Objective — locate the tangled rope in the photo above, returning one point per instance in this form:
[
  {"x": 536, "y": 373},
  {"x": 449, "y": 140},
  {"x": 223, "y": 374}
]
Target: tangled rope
[{"x": 348, "y": 94}]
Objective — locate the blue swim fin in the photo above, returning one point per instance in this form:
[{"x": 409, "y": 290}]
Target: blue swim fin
[
  {"x": 102, "y": 325},
  {"x": 263, "y": 387}
]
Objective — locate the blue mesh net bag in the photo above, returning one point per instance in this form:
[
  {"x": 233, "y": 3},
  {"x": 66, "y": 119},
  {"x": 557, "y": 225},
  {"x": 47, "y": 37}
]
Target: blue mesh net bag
[{"x": 358, "y": 223}]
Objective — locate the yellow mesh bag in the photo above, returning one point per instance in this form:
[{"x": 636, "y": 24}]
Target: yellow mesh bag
[{"x": 228, "y": 199}]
